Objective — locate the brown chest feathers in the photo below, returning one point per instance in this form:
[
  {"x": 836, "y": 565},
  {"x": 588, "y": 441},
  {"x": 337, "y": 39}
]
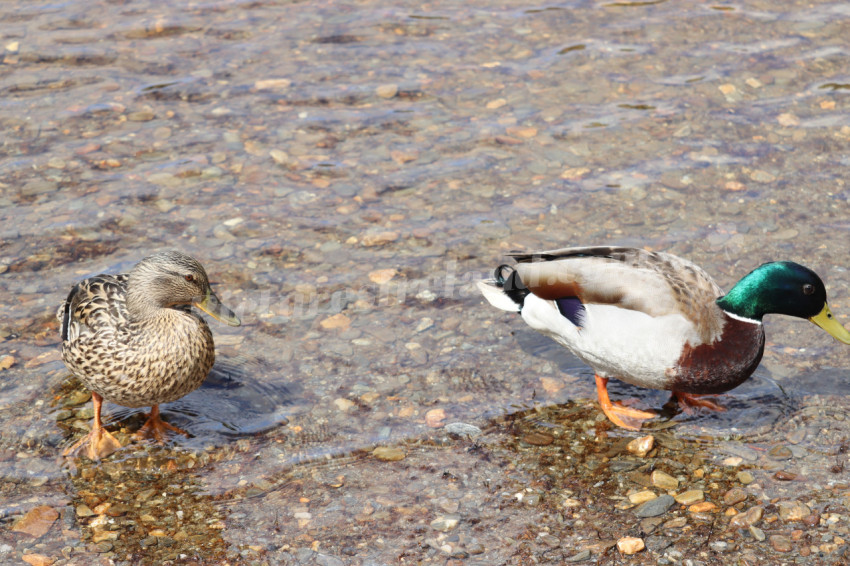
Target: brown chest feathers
[{"x": 723, "y": 364}]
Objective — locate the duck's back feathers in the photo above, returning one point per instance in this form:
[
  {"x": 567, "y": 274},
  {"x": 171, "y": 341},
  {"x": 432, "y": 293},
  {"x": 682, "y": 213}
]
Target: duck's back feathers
[{"x": 653, "y": 283}]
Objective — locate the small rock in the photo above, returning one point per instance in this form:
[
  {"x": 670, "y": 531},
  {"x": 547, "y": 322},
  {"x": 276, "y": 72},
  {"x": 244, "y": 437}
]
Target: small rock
[
  {"x": 101, "y": 536},
  {"x": 745, "y": 478},
  {"x": 551, "y": 384},
  {"x": 580, "y": 557},
  {"x": 387, "y": 90},
  {"x": 690, "y": 497},
  {"x": 7, "y": 361},
  {"x": 655, "y": 507},
  {"x": 279, "y": 156},
  {"x": 734, "y": 496},
  {"x": 793, "y": 511},
  {"x": 77, "y": 398},
  {"x": 338, "y": 320},
  {"x": 102, "y": 547},
  {"x": 780, "y": 543},
  {"x": 676, "y": 523},
  {"x": 379, "y": 239},
  {"x": 757, "y": 533},
  {"x": 38, "y": 559},
  {"x": 664, "y": 481},
  {"x": 782, "y": 475},
  {"x": 435, "y": 417},
  {"x": 538, "y": 439},
  {"x": 787, "y": 119},
  {"x": 641, "y": 446},
  {"x": 718, "y": 546},
  {"x": 381, "y": 276},
  {"x": 748, "y": 518},
  {"x": 328, "y": 560},
  {"x": 462, "y": 429},
  {"x": 702, "y": 507},
  {"x": 630, "y": 545},
  {"x": 762, "y": 176},
  {"x": 343, "y": 404},
  {"x": 37, "y": 521},
  {"x": 84, "y": 511},
  {"x": 272, "y": 84},
  {"x": 446, "y": 523},
  {"x": 548, "y": 540},
  {"x": 642, "y": 497},
  {"x": 388, "y": 453},
  {"x": 140, "y": 116}
]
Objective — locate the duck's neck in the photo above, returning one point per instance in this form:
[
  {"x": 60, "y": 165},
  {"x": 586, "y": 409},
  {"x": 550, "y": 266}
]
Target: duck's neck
[
  {"x": 750, "y": 298},
  {"x": 141, "y": 306}
]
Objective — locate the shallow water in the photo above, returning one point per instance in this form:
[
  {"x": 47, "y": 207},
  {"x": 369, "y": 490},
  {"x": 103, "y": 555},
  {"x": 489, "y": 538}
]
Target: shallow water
[{"x": 344, "y": 171}]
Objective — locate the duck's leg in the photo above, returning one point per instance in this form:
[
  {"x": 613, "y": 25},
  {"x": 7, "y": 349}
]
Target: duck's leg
[
  {"x": 624, "y": 417},
  {"x": 690, "y": 400},
  {"x": 99, "y": 442},
  {"x": 155, "y": 427}
]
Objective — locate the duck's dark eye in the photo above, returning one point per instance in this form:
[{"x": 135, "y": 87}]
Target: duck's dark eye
[
  {"x": 191, "y": 278},
  {"x": 808, "y": 289}
]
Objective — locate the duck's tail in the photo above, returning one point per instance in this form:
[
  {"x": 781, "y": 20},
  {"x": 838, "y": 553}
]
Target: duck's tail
[{"x": 506, "y": 290}]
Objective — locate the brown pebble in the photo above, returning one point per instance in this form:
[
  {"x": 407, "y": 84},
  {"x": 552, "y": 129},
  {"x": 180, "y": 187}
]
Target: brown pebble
[
  {"x": 641, "y": 446},
  {"x": 37, "y": 521},
  {"x": 780, "y": 543},
  {"x": 780, "y": 452},
  {"x": 702, "y": 507},
  {"x": 734, "y": 496},
  {"x": 338, "y": 320},
  {"x": 38, "y": 559},
  {"x": 435, "y": 418},
  {"x": 387, "y": 90},
  {"x": 379, "y": 239},
  {"x": 782, "y": 475},
  {"x": 690, "y": 496},
  {"x": 388, "y": 453},
  {"x": 748, "y": 518},
  {"x": 664, "y": 480},
  {"x": 538, "y": 439},
  {"x": 793, "y": 510},
  {"x": 811, "y": 520},
  {"x": 676, "y": 523}
]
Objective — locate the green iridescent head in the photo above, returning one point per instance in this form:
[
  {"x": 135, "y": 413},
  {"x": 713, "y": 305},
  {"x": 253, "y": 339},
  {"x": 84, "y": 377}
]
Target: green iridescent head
[{"x": 783, "y": 287}]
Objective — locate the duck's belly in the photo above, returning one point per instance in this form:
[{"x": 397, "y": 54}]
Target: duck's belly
[
  {"x": 629, "y": 345},
  {"x": 136, "y": 376}
]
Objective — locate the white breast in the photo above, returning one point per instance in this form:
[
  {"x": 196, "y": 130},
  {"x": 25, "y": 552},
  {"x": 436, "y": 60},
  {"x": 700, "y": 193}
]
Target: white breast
[{"x": 625, "y": 344}]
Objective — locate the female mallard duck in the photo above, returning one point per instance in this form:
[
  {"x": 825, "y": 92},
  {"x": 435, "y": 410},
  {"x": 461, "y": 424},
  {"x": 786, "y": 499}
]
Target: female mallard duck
[
  {"x": 653, "y": 319},
  {"x": 134, "y": 340}
]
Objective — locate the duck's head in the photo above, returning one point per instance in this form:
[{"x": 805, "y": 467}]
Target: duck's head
[
  {"x": 783, "y": 287},
  {"x": 173, "y": 279}
]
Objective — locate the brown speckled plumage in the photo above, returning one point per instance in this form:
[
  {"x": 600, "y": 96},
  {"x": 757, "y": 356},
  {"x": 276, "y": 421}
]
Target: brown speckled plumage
[{"x": 133, "y": 338}]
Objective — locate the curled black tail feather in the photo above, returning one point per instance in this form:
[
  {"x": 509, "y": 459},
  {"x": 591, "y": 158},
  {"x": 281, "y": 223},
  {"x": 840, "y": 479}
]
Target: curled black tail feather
[{"x": 511, "y": 284}]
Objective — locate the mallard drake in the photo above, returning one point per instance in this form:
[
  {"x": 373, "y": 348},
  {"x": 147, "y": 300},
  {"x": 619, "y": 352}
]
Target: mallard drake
[
  {"x": 654, "y": 319},
  {"x": 133, "y": 339}
]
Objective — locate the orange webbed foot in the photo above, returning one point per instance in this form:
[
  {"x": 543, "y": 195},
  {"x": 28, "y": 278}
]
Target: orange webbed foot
[
  {"x": 99, "y": 442},
  {"x": 624, "y": 417},
  {"x": 690, "y": 400},
  {"x": 156, "y": 428}
]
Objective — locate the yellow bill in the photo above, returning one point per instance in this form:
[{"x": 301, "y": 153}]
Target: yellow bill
[
  {"x": 213, "y": 307},
  {"x": 825, "y": 320}
]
